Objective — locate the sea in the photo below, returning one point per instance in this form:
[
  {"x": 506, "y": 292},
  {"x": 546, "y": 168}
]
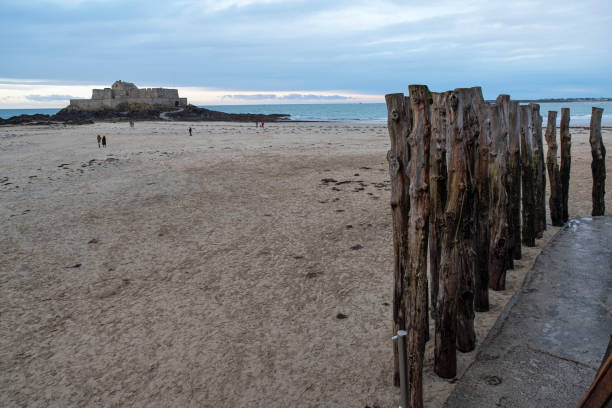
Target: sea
[{"x": 361, "y": 112}]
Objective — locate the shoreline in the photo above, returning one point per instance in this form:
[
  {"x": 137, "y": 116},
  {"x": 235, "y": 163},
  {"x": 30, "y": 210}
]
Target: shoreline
[{"x": 339, "y": 122}]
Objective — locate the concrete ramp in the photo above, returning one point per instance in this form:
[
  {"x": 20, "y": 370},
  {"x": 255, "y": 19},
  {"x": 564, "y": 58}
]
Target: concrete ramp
[{"x": 547, "y": 346}]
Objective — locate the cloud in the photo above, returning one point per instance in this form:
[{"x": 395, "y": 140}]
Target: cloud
[
  {"x": 45, "y": 98},
  {"x": 250, "y": 96},
  {"x": 296, "y": 96},
  {"x": 274, "y": 48},
  {"x": 214, "y": 6},
  {"x": 289, "y": 97}
]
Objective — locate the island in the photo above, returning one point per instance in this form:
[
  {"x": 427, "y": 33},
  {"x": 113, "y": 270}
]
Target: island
[{"x": 124, "y": 101}]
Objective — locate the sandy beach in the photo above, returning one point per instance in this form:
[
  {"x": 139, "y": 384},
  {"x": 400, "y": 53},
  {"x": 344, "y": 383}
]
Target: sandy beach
[{"x": 216, "y": 270}]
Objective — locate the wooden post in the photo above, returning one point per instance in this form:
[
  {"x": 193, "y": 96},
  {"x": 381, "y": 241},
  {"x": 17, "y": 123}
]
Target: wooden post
[
  {"x": 566, "y": 161},
  {"x": 399, "y": 123},
  {"x": 481, "y": 209},
  {"x": 499, "y": 114},
  {"x": 539, "y": 170},
  {"x": 437, "y": 191},
  {"x": 554, "y": 177},
  {"x": 528, "y": 196},
  {"x": 598, "y": 165},
  {"x": 445, "y": 353},
  {"x": 418, "y": 228},
  {"x": 514, "y": 180},
  {"x": 470, "y": 98}
]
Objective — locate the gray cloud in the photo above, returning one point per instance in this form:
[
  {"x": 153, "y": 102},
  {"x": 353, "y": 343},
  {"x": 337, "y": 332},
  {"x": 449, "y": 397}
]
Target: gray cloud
[
  {"x": 252, "y": 97},
  {"x": 296, "y": 96},
  {"x": 315, "y": 45},
  {"x": 45, "y": 98},
  {"x": 289, "y": 97}
]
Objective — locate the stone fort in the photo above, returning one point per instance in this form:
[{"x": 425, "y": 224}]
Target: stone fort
[{"x": 128, "y": 93}]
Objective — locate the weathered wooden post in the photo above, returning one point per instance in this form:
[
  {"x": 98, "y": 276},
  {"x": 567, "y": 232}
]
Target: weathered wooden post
[
  {"x": 598, "y": 165},
  {"x": 445, "y": 354},
  {"x": 554, "y": 177},
  {"x": 539, "y": 170},
  {"x": 437, "y": 191},
  {"x": 418, "y": 228},
  {"x": 566, "y": 161},
  {"x": 528, "y": 196},
  {"x": 514, "y": 180},
  {"x": 466, "y": 334},
  {"x": 399, "y": 123},
  {"x": 499, "y": 115},
  {"x": 481, "y": 210}
]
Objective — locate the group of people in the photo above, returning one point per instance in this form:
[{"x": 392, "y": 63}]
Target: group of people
[
  {"x": 259, "y": 123},
  {"x": 101, "y": 141}
]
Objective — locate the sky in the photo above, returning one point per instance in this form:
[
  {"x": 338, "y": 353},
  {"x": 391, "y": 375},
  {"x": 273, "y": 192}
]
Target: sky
[{"x": 298, "y": 51}]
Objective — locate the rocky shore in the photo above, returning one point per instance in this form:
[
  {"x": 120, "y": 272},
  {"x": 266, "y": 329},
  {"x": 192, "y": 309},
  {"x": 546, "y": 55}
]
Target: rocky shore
[{"x": 73, "y": 116}]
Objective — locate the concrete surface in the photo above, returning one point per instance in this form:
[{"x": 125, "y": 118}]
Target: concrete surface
[{"x": 547, "y": 346}]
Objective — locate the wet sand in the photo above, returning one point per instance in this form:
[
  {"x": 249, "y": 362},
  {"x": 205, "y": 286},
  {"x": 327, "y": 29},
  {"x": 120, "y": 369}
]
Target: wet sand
[{"x": 212, "y": 270}]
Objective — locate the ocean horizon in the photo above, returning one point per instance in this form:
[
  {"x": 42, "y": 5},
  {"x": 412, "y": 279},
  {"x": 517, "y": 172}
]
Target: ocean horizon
[{"x": 356, "y": 112}]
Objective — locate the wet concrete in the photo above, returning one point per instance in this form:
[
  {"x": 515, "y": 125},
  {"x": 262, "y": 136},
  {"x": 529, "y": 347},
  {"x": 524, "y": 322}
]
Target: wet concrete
[{"x": 545, "y": 349}]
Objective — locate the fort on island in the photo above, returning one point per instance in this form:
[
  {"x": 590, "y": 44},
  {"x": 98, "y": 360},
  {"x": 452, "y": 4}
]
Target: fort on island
[{"x": 128, "y": 93}]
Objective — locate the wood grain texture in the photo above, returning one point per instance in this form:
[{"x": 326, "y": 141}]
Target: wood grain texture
[
  {"x": 514, "y": 180},
  {"x": 566, "y": 161},
  {"x": 528, "y": 230},
  {"x": 470, "y": 98},
  {"x": 437, "y": 191},
  {"x": 539, "y": 170},
  {"x": 500, "y": 237},
  {"x": 598, "y": 165},
  {"x": 418, "y": 229},
  {"x": 481, "y": 210},
  {"x": 399, "y": 124},
  {"x": 554, "y": 176},
  {"x": 445, "y": 353}
]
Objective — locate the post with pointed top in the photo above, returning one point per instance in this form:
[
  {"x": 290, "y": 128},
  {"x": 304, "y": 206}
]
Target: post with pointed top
[
  {"x": 539, "y": 170},
  {"x": 598, "y": 165},
  {"x": 566, "y": 161},
  {"x": 527, "y": 185},
  {"x": 514, "y": 180},
  {"x": 418, "y": 229},
  {"x": 554, "y": 177},
  {"x": 399, "y": 123}
]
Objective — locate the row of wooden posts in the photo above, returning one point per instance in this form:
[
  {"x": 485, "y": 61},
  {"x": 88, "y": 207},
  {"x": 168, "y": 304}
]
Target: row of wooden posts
[{"x": 458, "y": 166}]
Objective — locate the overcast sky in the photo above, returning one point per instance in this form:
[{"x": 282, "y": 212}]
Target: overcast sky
[{"x": 291, "y": 51}]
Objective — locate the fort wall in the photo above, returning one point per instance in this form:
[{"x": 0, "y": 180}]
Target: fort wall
[{"x": 127, "y": 93}]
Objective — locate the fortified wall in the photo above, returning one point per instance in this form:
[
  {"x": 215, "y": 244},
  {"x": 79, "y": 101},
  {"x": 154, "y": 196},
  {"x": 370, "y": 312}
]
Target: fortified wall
[{"x": 128, "y": 93}]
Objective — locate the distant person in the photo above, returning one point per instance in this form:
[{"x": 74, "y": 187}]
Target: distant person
[
  {"x": 131, "y": 123},
  {"x": 262, "y": 124},
  {"x": 189, "y": 131},
  {"x": 256, "y": 124},
  {"x": 104, "y": 141},
  {"x": 99, "y": 141}
]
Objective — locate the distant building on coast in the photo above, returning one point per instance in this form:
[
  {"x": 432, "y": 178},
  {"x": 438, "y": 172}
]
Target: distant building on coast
[{"x": 128, "y": 93}]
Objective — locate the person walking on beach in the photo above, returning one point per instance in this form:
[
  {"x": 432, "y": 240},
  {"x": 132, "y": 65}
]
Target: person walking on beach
[
  {"x": 262, "y": 124},
  {"x": 189, "y": 131},
  {"x": 104, "y": 141},
  {"x": 256, "y": 124},
  {"x": 99, "y": 140}
]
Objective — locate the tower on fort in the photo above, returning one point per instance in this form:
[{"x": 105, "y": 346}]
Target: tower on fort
[{"x": 129, "y": 94}]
